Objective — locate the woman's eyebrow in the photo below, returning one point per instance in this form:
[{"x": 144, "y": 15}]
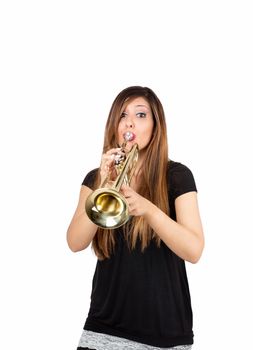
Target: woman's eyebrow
[{"x": 142, "y": 106}]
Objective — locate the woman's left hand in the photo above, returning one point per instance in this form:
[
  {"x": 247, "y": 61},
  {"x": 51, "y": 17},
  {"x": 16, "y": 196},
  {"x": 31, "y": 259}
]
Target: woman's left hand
[{"x": 138, "y": 205}]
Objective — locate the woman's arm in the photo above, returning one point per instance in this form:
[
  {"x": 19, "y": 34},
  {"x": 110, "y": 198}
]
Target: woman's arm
[
  {"x": 185, "y": 236},
  {"x": 81, "y": 229}
]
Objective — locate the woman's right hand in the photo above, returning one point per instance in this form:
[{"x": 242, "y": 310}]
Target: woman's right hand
[{"x": 108, "y": 162}]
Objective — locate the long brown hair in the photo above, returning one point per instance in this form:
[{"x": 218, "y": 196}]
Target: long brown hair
[{"x": 154, "y": 169}]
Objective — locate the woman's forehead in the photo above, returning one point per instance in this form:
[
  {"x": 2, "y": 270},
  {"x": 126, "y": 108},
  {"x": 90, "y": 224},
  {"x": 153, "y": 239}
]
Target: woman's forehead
[{"x": 136, "y": 101}]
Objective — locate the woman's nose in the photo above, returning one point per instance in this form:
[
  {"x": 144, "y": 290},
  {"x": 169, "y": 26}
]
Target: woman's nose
[{"x": 129, "y": 122}]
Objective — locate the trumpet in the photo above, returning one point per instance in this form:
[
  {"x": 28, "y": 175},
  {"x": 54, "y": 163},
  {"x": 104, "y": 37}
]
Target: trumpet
[{"x": 106, "y": 206}]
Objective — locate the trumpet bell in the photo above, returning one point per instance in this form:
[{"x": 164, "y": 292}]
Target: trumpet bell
[{"x": 107, "y": 208}]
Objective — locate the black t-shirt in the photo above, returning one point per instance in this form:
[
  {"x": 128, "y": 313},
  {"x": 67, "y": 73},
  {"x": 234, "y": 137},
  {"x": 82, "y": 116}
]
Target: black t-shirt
[{"x": 144, "y": 296}]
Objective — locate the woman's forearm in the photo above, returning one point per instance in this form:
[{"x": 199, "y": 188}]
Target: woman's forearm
[
  {"x": 187, "y": 244},
  {"x": 81, "y": 229},
  {"x": 80, "y": 233}
]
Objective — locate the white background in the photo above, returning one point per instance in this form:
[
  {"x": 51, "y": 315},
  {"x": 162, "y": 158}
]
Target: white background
[{"x": 62, "y": 64}]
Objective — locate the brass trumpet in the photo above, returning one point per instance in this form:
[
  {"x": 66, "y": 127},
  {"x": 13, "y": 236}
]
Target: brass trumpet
[{"x": 106, "y": 206}]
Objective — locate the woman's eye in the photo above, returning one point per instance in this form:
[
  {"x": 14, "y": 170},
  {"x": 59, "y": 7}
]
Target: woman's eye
[
  {"x": 141, "y": 115},
  {"x": 123, "y": 115}
]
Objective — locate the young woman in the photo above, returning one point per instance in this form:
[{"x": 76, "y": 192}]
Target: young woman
[{"x": 140, "y": 296}]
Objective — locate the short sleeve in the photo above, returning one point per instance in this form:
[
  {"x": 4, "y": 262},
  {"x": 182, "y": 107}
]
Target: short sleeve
[
  {"x": 89, "y": 179},
  {"x": 181, "y": 180}
]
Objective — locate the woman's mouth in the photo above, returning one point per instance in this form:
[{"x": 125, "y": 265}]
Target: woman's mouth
[{"x": 129, "y": 136}]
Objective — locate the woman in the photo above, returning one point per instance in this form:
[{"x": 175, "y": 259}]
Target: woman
[{"x": 140, "y": 296}]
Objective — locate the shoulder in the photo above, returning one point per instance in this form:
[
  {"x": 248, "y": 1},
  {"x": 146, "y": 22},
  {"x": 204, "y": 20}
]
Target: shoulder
[
  {"x": 177, "y": 168},
  {"x": 174, "y": 166},
  {"x": 89, "y": 178},
  {"x": 180, "y": 179}
]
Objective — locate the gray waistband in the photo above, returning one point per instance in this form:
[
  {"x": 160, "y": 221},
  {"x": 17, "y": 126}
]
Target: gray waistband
[{"x": 101, "y": 341}]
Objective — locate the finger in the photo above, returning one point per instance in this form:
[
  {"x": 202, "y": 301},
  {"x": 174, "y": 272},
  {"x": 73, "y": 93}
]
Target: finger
[
  {"x": 113, "y": 155},
  {"x": 107, "y": 161},
  {"x": 113, "y": 151},
  {"x": 125, "y": 190},
  {"x": 105, "y": 165}
]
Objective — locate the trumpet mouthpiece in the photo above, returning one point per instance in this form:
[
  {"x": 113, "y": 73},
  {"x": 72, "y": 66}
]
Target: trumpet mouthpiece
[{"x": 129, "y": 136}]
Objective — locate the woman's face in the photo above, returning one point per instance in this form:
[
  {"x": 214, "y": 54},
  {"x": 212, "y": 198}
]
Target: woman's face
[{"x": 137, "y": 118}]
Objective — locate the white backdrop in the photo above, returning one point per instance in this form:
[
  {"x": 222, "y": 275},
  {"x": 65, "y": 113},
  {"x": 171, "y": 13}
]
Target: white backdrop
[{"x": 62, "y": 64}]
